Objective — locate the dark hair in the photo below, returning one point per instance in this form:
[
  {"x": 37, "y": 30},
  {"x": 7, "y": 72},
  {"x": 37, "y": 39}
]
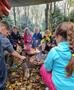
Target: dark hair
[
  {"x": 15, "y": 27},
  {"x": 62, "y": 31},
  {"x": 4, "y": 23}
]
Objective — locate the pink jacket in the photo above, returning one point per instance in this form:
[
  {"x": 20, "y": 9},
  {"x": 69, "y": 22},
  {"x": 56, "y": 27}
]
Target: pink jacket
[{"x": 27, "y": 39}]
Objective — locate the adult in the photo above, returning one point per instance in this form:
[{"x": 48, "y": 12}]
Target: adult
[{"x": 5, "y": 45}]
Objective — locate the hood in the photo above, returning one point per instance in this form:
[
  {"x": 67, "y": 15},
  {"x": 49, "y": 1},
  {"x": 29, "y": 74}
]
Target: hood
[{"x": 63, "y": 50}]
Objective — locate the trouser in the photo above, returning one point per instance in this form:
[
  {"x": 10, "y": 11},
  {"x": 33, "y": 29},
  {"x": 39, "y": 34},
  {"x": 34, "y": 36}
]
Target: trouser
[
  {"x": 47, "y": 78},
  {"x": 2, "y": 88}
]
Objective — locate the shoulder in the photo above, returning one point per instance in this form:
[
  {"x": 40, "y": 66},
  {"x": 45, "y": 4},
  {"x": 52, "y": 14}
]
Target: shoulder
[
  {"x": 54, "y": 48},
  {"x": 5, "y": 40},
  {"x": 53, "y": 51},
  {"x": 40, "y": 34},
  {"x": 34, "y": 34},
  {"x": 30, "y": 34}
]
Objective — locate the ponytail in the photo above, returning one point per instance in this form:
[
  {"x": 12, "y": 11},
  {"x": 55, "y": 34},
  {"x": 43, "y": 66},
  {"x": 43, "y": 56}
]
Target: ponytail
[
  {"x": 66, "y": 30},
  {"x": 70, "y": 37},
  {"x": 70, "y": 67}
]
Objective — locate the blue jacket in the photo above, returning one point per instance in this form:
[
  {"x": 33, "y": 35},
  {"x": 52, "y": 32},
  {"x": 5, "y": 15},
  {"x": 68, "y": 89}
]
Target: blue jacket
[
  {"x": 56, "y": 61},
  {"x": 36, "y": 37},
  {"x": 4, "y": 45}
]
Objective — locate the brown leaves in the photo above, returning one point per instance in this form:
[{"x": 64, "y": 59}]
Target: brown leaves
[{"x": 18, "y": 81}]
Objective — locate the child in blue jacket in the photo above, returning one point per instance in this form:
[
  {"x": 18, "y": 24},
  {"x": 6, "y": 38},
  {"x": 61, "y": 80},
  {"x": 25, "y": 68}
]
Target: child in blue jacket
[
  {"x": 37, "y": 36},
  {"x": 55, "y": 71}
]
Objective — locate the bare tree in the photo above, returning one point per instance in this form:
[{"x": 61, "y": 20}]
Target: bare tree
[
  {"x": 14, "y": 12},
  {"x": 46, "y": 15},
  {"x": 18, "y": 16},
  {"x": 36, "y": 14}
]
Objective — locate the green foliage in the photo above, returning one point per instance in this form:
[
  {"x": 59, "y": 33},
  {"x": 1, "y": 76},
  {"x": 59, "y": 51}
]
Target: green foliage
[
  {"x": 56, "y": 17},
  {"x": 71, "y": 16},
  {"x": 65, "y": 18},
  {"x": 25, "y": 21},
  {"x": 8, "y": 19},
  {"x": 71, "y": 2},
  {"x": 43, "y": 25}
]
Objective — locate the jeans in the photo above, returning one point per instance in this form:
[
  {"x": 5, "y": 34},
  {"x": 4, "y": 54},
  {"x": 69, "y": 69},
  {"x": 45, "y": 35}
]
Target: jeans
[{"x": 2, "y": 88}]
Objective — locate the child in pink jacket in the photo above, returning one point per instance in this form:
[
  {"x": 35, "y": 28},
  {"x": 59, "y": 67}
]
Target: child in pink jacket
[{"x": 27, "y": 39}]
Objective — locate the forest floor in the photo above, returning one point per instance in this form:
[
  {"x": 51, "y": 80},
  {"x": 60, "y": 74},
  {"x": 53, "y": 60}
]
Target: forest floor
[{"x": 27, "y": 79}]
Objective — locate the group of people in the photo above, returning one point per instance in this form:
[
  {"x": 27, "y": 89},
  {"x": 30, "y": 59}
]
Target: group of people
[
  {"x": 57, "y": 72},
  {"x": 46, "y": 41},
  {"x": 27, "y": 39},
  {"x": 32, "y": 40}
]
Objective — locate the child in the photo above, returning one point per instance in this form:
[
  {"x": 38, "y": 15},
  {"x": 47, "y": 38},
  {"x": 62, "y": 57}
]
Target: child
[
  {"x": 37, "y": 36},
  {"x": 27, "y": 39},
  {"x": 14, "y": 37},
  {"x": 47, "y": 41},
  {"x": 56, "y": 69}
]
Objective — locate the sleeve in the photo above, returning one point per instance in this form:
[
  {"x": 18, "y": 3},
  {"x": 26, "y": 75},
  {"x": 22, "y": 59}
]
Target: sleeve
[
  {"x": 48, "y": 63},
  {"x": 25, "y": 38},
  {"x": 30, "y": 38},
  {"x": 33, "y": 36},
  {"x": 7, "y": 45},
  {"x": 40, "y": 36},
  {"x": 19, "y": 37}
]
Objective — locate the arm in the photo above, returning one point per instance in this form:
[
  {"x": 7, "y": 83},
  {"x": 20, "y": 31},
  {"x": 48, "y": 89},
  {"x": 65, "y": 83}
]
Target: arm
[
  {"x": 41, "y": 36},
  {"x": 25, "y": 39},
  {"x": 16, "y": 54},
  {"x": 48, "y": 63},
  {"x": 7, "y": 46}
]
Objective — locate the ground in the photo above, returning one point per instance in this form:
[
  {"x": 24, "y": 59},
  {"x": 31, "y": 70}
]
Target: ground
[{"x": 25, "y": 78}]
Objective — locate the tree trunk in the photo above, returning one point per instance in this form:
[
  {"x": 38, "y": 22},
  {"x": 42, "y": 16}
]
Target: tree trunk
[
  {"x": 51, "y": 26},
  {"x": 14, "y": 15},
  {"x": 68, "y": 7},
  {"x": 25, "y": 13},
  {"x": 46, "y": 15},
  {"x": 19, "y": 16}
]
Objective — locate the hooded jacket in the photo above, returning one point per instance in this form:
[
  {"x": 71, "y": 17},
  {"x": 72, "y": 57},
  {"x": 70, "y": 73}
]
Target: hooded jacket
[{"x": 56, "y": 61}]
